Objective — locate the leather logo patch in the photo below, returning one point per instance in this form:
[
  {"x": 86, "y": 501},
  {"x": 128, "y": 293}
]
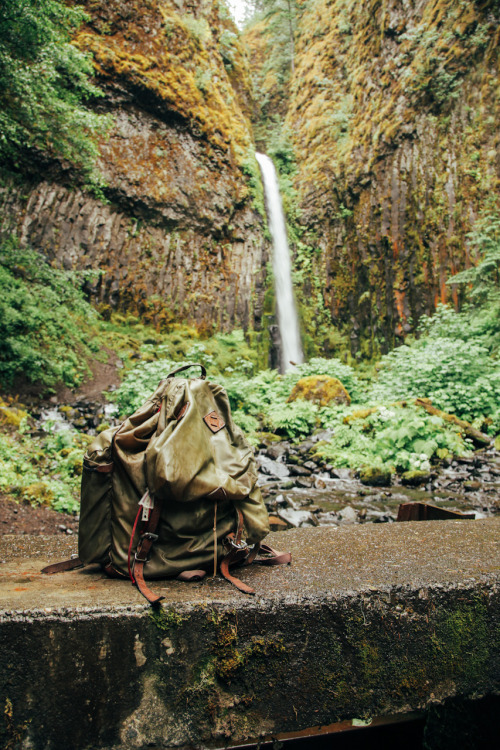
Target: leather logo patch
[{"x": 213, "y": 421}]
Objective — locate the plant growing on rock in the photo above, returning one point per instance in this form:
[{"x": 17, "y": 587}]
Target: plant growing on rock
[
  {"x": 45, "y": 321},
  {"x": 45, "y": 81}
]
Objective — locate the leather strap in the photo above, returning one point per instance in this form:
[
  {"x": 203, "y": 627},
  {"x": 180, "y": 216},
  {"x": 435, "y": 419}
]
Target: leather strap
[
  {"x": 148, "y": 538},
  {"x": 274, "y": 557},
  {"x": 237, "y": 554},
  {"x": 60, "y": 567},
  {"x": 232, "y": 559}
]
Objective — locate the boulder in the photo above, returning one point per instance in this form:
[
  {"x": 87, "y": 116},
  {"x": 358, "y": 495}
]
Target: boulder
[
  {"x": 375, "y": 476},
  {"x": 321, "y": 390}
]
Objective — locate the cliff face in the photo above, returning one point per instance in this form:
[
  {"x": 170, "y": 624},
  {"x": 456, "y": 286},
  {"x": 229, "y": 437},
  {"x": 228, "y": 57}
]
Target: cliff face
[
  {"x": 393, "y": 115},
  {"x": 176, "y": 235}
]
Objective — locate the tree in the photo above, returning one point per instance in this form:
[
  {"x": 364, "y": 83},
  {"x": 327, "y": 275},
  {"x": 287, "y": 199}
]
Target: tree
[
  {"x": 280, "y": 17},
  {"x": 45, "y": 82}
]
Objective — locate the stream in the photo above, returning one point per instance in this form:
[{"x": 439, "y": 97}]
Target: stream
[{"x": 300, "y": 491}]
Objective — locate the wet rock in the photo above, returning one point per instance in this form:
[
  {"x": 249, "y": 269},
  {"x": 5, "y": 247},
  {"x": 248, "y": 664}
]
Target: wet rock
[
  {"x": 277, "y": 524},
  {"x": 305, "y": 482},
  {"x": 298, "y": 518},
  {"x": 348, "y": 515},
  {"x": 272, "y": 468},
  {"x": 340, "y": 473},
  {"x": 311, "y": 465},
  {"x": 322, "y": 435},
  {"x": 283, "y": 501},
  {"x": 472, "y": 486},
  {"x": 327, "y": 519},
  {"x": 276, "y": 450},
  {"x": 305, "y": 447},
  {"x": 375, "y": 477},
  {"x": 299, "y": 471},
  {"x": 415, "y": 478}
]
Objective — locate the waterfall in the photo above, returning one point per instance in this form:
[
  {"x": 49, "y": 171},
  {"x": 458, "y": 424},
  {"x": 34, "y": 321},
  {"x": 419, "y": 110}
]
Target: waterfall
[{"x": 288, "y": 321}]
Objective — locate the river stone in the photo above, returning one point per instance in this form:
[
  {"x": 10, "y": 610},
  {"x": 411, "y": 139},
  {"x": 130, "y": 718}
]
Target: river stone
[
  {"x": 348, "y": 515},
  {"x": 276, "y": 450},
  {"x": 298, "y": 471},
  {"x": 272, "y": 468},
  {"x": 298, "y": 518},
  {"x": 305, "y": 447},
  {"x": 375, "y": 477},
  {"x": 415, "y": 478},
  {"x": 305, "y": 482}
]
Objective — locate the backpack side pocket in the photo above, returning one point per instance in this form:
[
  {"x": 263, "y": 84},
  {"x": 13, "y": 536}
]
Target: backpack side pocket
[{"x": 94, "y": 532}]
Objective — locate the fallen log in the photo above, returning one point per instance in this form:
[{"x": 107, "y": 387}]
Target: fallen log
[{"x": 478, "y": 438}]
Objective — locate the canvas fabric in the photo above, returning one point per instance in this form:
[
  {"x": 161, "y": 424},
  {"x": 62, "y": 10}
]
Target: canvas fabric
[{"x": 200, "y": 473}]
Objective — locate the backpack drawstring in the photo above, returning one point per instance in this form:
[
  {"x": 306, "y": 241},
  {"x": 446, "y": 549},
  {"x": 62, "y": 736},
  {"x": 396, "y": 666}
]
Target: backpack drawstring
[{"x": 215, "y": 539}]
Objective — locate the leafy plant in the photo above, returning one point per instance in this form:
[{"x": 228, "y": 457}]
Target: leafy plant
[
  {"x": 46, "y": 325},
  {"x": 395, "y": 437},
  {"x": 44, "y": 469},
  {"x": 459, "y": 376},
  {"x": 44, "y": 83},
  {"x": 483, "y": 278}
]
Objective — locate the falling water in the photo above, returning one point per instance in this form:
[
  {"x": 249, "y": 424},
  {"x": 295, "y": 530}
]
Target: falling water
[{"x": 291, "y": 349}]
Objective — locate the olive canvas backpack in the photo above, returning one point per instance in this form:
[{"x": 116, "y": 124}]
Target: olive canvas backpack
[{"x": 172, "y": 492}]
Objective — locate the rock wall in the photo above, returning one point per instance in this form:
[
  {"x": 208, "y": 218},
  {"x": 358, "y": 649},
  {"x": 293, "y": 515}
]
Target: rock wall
[
  {"x": 176, "y": 233},
  {"x": 393, "y": 116}
]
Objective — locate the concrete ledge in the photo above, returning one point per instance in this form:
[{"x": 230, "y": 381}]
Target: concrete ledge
[{"x": 367, "y": 621}]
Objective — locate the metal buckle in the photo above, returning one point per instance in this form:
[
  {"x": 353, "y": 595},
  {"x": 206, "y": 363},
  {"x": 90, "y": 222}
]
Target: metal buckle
[
  {"x": 149, "y": 535},
  {"x": 235, "y": 545}
]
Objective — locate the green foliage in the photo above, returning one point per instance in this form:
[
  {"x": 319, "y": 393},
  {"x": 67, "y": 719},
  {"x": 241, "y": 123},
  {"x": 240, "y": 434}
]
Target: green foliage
[
  {"x": 44, "y": 84},
  {"x": 227, "y": 48},
  {"x": 483, "y": 278},
  {"x": 43, "y": 470},
  {"x": 46, "y": 326},
  {"x": 250, "y": 169},
  {"x": 295, "y": 420},
  {"x": 458, "y": 376},
  {"x": 394, "y": 437},
  {"x": 140, "y": 383},
  {"x": 225, "y": 353}
]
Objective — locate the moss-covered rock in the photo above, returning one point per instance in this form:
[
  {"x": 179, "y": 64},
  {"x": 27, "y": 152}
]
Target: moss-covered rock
[
  {"x": 415, "y": 478},
  {"x": 375, "y": 476},
  {"x": 321, "y": 390}
]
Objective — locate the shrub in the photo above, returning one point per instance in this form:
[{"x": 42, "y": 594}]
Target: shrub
[
  {"x": 45, "y": 322},
  {"x": 394, "y": 437},
  {"x": 458, "y": 376}
]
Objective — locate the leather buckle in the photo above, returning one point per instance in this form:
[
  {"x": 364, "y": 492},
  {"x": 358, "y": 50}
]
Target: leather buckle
[{"x": 149, "y": 537}]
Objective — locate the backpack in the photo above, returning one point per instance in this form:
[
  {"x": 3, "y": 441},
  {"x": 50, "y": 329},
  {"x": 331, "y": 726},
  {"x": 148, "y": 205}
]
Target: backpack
[{"x": 172, "y": 492}]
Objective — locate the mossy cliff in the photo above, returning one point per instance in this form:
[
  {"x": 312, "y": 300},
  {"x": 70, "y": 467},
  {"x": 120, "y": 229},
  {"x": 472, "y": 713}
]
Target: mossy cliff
[
  {"x": 175, "y": 231},
  {"x": 392, "y": 115}
]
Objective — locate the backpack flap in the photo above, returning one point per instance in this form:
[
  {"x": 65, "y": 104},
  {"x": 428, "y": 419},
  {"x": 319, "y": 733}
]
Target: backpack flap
[{"x": 190, "y": 456}]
